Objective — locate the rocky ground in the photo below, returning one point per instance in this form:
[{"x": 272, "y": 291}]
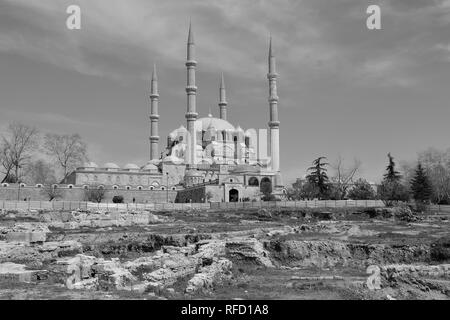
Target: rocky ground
[{"x": 346, "y": 253}]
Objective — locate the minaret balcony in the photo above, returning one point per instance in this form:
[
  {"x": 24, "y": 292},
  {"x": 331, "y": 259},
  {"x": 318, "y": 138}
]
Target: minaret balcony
[
  {"x": 154, "y": 138},
  {"x": 274, "y": 124},
  {"x": 154, "y": 116},
  {"x": 191, "y": 115},
  {"x": 272, "y": 75},
  {"x": 154, "y": 96},
  {"x": 191, "y": 89},
  {"x": 273, "y": 99},
  {"x": 191, "y": 63}
]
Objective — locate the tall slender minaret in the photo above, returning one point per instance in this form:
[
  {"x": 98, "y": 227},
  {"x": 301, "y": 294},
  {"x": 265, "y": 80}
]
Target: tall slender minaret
[
  {"x": 222, "y": 99},
  {"x": 274, "y": 124},
  {"x": 191, "y": 90},
  {"x": 154, "y": 117}
]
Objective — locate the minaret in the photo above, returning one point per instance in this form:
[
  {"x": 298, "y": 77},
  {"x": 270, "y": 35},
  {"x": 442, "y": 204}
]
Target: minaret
[
  {"x": 274, "y": 124},
  {"x": 154, "y": 117},
  {"x": 222, "y": 99},
  {"x": 191, "y": 90}
]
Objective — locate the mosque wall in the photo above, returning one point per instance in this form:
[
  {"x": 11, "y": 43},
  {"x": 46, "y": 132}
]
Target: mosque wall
[{"x": 32, "y": 193}]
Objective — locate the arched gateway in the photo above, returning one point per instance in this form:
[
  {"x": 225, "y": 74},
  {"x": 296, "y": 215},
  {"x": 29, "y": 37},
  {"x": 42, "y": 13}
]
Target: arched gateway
[{"x": 233, "y": 195}]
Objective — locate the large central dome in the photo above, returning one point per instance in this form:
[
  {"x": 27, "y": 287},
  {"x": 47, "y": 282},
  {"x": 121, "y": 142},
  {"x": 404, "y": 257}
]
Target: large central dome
[{"x": 216, "y": 123}]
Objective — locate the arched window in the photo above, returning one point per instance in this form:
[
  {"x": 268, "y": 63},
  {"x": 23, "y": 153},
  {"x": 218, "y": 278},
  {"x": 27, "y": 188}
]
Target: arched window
[
  {"x": 22, "y": 185},
  {"x": 247, "y": 142},
  {"x": 173, "y": 188},
  {"x": 128, "y": 187},
  {"x": 85, "y": 187},
  {"x": 253, "y": 181},
  {"x": 5, "y": 185},
  {"x": 139, "y": 188},
  {"x": 152, "y": 188},
  {"x": 70, "y": 186},
  {"x": 39, "y": 185},
  {"x": 115, "y": 187},
  {"x": 266, "y": 185}
]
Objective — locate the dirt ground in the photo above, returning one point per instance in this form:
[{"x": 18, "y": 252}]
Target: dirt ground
[{"x": 245, "y": 254}]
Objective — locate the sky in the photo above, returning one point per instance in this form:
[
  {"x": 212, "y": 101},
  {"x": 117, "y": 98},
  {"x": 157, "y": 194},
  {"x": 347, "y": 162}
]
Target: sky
[{"x": 344, "y": 90}]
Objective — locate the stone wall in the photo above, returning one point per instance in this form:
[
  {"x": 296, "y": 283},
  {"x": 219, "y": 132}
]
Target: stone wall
[
  {"x": 194, "y": 195},
  {"x": 219, "y": 193},
  {"x": 13, "y": 192}
]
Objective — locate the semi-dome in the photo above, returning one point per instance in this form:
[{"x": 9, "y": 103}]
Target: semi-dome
[
  {"x": 131, "y": 166},
  {"x": 111, "y": 165},
  {"x": 216, "y": 123},
  {"x": 172, "y": 159}
]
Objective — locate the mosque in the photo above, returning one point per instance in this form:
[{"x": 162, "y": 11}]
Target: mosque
[{"x": 209, "y": 159}]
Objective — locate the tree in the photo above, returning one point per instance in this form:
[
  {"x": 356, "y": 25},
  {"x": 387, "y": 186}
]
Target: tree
[
  {"x": 391, "y": 190},
  {"x": 343, "y": 177},
  {"x": 318, "y": 177},
  {"x": 40, "y": 172},
  {"x": 362, "y": 190},
  {"x": 69, "y": 151},
  {"x": 94, "y": 194},
  {"x": 16, "y": 149},
  {"x": 392, "y": 174},
  {"x": 421, "y": 188},
  {"x": 436, "y": 164},
  {"x": 209, "y": 195},
  {"x": 266, "y": 189},
  {"x": 52, "y": 192}
]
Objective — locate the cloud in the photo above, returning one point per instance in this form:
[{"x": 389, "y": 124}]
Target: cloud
[{"x": 312, "y": 37}]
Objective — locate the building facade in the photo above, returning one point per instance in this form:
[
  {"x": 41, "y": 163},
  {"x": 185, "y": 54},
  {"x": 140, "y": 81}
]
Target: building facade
[{"x": 209, "y": 159}]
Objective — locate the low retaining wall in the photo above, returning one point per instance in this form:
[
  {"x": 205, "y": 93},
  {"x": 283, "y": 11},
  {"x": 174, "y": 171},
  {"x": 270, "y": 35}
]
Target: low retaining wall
[
  {"x": 73, "y": 205},
  {"x": 32, "y": 193}
]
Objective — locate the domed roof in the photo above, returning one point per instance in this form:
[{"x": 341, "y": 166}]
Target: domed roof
[
  {"x": 216, "y": 123},
  {"x": 193, "y": 173},
  {"x": 90, "y": 165},
  {"x": 150, "y": 167},
  {"x": 111, "y": 165},
  {"x": 177, "y": 132},
  {"x": 131, "y": 166}
]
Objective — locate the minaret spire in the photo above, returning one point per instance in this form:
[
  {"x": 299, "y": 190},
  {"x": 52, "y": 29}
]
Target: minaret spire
[
  {"x": 191, "y": 91},
  {"x": 154, "y": 117},
  {"x": 222, "y": 99},
  {"x": 274, "y": 123}
]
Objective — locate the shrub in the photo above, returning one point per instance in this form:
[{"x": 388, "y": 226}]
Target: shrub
[
  {"x": 94, "y": 194},
  {"x": 391, "y": 192},
  {"x": 362, "y": 190},
  {"x": 117, "y": 199}
]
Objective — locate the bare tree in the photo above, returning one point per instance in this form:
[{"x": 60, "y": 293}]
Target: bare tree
[
  {"x": 437, "y": 167},
  {"x": 16, "y": 149},
  {"x": 40, "y": 171},
  {"x": 343, "y": 176},
  {"x": 95, "y": 194},
  {"x": 68, "y": 151},
  {"x": 52, "y": 192}
]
